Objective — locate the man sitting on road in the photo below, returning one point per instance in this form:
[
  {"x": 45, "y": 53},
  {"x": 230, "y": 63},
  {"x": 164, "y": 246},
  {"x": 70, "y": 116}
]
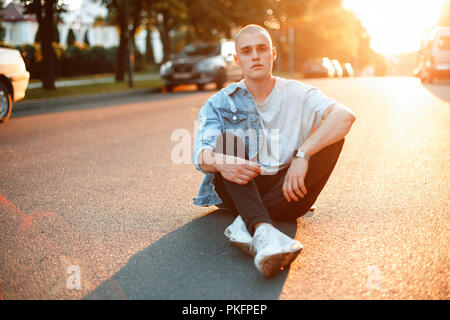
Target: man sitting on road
[{"x": 267, "y": 146}]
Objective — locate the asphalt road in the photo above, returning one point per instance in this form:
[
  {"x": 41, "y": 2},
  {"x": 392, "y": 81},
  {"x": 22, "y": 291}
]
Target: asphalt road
[{"x": 92, "y": 206}]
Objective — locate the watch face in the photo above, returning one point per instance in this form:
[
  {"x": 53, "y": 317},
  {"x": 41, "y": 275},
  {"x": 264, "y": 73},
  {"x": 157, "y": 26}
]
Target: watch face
[{"x": 300, "y": 154}]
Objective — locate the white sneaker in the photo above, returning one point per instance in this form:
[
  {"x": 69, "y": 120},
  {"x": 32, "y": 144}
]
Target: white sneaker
[
  {"x": 274, "y": 250},
  {"x": 239, "y": 236}
]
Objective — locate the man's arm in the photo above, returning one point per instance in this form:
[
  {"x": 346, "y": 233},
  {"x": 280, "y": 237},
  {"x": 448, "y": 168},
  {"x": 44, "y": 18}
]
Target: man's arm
[
  {"x": 206, "y": 161},
  {"x": 337, "y": 121},
  {"x": 231, "y": 168}
]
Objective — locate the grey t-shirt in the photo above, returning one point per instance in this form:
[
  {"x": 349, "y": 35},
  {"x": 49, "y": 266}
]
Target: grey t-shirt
[{"x": 289, "y": 115}]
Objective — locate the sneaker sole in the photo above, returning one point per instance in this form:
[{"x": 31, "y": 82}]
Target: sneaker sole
[{"x": 271, "y": 265}]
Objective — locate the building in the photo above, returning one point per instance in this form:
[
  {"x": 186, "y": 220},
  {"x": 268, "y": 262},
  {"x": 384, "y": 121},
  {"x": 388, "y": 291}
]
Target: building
[{"x": 21, "y": 28}]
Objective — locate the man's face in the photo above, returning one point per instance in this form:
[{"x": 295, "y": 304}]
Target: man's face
[{"x": 255, "y": 55}]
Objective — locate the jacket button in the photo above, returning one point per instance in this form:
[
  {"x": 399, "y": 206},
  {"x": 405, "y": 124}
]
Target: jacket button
[{"x": 234, "y": 117}]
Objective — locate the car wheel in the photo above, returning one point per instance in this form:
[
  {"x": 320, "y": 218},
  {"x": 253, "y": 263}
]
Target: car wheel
[
  {"x": 201, "y": 86},
  {"x": 169, "y": 87},
  {"x": 220, "y": 81},
  {"x": 5, "y": 103}
]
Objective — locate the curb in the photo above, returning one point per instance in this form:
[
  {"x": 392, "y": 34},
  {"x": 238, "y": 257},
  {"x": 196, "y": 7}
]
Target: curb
[{"x": 51, "y": 103}]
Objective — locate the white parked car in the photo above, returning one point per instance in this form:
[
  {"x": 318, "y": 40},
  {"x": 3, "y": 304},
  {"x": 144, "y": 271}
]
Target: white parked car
[
  {"x": 434, "y": 56},
  {"x": 14, "y": 79}
]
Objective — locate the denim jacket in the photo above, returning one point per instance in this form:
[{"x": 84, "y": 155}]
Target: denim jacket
[{"x": 232, "y": 108}]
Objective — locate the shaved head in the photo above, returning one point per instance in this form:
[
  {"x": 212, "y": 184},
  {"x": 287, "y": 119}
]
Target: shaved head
[
  {"x": 252, "y": 28},
  {"x": 255, "y": 52}
]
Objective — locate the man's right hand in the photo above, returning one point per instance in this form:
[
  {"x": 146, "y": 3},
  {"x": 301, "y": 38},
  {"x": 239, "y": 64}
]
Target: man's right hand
[
  {"x": 231, "y": 168},
  {"x": 235, "y": 169}
]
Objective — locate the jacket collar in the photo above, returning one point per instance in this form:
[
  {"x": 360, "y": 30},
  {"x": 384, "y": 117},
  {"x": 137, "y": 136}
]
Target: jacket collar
[{"x": 234, "y": 87}]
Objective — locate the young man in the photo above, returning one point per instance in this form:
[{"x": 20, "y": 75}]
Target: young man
[{"x": 267, "y": 146}]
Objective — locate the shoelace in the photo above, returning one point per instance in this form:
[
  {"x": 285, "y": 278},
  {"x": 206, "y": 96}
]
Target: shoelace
[{"x": 262, "y": 241}]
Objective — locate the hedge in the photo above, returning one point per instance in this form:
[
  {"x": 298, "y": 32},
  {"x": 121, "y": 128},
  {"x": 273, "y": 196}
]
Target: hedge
[{"x": 76, "y": 60}]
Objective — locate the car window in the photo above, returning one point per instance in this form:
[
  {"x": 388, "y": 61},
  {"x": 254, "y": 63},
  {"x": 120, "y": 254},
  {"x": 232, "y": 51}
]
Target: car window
[
  {"x": 444, "y": 43},
  {"x": 200, "y": 50}
]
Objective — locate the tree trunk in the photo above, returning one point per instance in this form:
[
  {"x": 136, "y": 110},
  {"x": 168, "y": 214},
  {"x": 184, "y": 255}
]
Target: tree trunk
[
  {"x": 165, "y": 38},
  {"x": 120, "y": 71},
  {"x": 48, "y": 54},
  {"x": 149, "y": 56}
]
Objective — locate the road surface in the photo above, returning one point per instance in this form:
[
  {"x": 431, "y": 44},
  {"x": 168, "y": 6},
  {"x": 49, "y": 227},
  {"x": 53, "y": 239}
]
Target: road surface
[{"x": 93, "y": 207}]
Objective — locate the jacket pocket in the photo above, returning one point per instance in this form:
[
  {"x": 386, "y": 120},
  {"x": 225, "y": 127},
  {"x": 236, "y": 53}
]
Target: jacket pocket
[{"x": 235, "y": 120}]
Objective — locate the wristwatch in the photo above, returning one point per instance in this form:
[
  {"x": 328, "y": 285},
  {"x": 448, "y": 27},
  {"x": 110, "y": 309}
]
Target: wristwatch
[{"x": 300, "y": 154}]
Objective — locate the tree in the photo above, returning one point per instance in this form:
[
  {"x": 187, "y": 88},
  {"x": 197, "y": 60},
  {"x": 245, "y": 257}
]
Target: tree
[
  {"x": 149, "y": 55},
  {"x": 169, "y": 15},
  {"x": 117, "y": 15},
  {"x": 70, "y": 38},
  {"x": 212, "y": 20},
  {"x": 37, "y": 37},
  {"x": 86, "y": 38},
  {"x": 183, "y": 21},
  {"x": 46, "y": 12},
  {"x": 327, "y": 29},
  {"x": 2, "y": 30},
  {"x": 147, "y": 21}
]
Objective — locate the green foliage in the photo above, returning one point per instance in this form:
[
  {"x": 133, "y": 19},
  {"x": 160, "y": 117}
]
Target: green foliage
[
  {"x": 32, "y": 56},
  {"x": 333, "y": 33},
  {"x": 329, "y": 30},
  {"x": 47, "y": 13},
  {"x": 76, "y": 60}
]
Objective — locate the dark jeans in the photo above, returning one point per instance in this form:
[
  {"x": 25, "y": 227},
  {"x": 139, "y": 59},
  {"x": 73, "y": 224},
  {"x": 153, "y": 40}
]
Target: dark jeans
[{"x": 262, "y": 199}]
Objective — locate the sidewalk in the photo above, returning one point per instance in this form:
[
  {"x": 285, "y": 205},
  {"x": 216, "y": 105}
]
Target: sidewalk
[
  {"x": 70, "y": 101},
  {"x": 67, "y": 83},
  {"x": 86, "y": 98}
]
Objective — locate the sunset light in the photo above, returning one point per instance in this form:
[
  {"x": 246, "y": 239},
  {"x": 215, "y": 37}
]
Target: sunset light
[{"x": 396, "y": 26}]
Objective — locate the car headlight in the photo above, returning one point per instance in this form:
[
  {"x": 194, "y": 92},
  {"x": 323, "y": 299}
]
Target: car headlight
[
  {"x": 205, "y": 66},
  {"x": 165, "y": 67}
]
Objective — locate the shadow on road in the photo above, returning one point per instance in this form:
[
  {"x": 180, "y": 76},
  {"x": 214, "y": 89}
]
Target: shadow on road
[
  {"x": 195, "y": 261},
  {"x": 439, "y": 89}
]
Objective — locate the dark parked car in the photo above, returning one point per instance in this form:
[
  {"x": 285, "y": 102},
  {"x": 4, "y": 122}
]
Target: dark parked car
[
  {"x": 200, "y": 64},
  {"x": 318, "y": 67}
]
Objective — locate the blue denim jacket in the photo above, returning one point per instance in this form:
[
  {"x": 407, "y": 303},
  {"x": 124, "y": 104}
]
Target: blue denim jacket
[{"x": 232, "y": 108}]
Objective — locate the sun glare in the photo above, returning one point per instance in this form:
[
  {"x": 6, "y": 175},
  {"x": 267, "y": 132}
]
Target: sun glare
[{"x": 396, "y": 26}]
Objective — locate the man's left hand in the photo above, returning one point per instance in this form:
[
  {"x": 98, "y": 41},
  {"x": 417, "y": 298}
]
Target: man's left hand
[{"x": 294, "y": 181}]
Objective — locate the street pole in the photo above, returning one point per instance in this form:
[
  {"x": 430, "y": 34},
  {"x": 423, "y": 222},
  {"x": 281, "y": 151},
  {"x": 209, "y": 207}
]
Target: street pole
[{"x": 130, "y": 51}]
